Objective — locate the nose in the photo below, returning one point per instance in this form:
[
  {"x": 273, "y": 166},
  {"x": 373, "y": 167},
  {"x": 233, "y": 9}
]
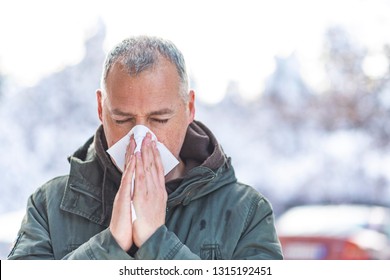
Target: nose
[{"x": 140, "y": 121}]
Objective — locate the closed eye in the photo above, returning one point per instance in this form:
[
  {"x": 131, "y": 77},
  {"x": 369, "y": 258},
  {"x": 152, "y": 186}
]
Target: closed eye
[
  {"x": 161, "y": 121},
  {"x": 123, "y": 121}
]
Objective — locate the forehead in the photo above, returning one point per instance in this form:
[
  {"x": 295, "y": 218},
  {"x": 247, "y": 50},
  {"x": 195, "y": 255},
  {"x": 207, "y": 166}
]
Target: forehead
[{"x": 154, "y": 87}]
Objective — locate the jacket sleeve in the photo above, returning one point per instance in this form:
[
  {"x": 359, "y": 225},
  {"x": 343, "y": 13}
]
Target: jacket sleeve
[
  {"x": 102, "y": 246},
  {"x": 259, "y": 239},
  {"x": 34, "y": 242},
  {"x": 164, "y": 245}
]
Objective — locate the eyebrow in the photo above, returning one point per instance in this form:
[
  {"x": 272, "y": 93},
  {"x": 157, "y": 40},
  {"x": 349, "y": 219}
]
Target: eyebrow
[{"x": 165, "y": 111}]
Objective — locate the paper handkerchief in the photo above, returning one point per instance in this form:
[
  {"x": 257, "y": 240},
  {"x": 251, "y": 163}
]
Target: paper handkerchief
[{"x": 118, "y": 150}]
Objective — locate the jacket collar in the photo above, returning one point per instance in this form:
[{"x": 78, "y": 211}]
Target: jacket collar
[
  {"x": 207, "y": 166},
  {"x": 201, "y": 148}
]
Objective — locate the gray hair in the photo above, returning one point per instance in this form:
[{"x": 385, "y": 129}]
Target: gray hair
[{"x": 140, "y": 53}]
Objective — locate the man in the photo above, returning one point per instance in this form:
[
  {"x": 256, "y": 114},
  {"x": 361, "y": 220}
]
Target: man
[{"x": 197, "y": 211}]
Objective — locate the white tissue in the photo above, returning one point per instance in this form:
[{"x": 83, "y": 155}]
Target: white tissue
[
  {"x": 118, "y": 153},
  {"x": 118, "y": 150}
]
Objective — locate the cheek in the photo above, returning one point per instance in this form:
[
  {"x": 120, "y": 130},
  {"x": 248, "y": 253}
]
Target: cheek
[
  {"x": 173, "y": 140},
  {"x": 110, "y": 135},
  {"x": 112, "y": 131}
]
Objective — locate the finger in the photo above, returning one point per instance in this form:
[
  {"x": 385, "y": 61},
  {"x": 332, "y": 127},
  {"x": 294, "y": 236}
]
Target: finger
[
  {"x": 151, "y": 177},
  {"x": 130, "y": 173},
  {"x": 129, "y": 150},
  {"x": 158, "y": 164},
  {"x": 132, "y": 144},
  {"x": 139, "y": 176},
  {"x": 127, "y": 179},
  {"x": 146, "y": 158}
]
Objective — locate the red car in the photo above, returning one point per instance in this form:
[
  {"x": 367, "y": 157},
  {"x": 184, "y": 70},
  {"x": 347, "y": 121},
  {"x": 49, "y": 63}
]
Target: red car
[{"x": 335, "y": 232}]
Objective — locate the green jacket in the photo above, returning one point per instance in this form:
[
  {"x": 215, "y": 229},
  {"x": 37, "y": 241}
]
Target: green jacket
[{"x": 209, "y": 214}]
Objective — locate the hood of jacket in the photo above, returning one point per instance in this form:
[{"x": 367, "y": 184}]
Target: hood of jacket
[
  {"x": 93, "y": 174},
  {"x": 207, "y": 166}
]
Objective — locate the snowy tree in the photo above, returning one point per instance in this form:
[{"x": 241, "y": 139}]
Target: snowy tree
[
  {"x": 349, "y": 101},
  {"x": 42, "y": 125}
]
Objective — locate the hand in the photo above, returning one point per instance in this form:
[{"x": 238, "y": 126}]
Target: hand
[
  {"x": 150, "y": 196},
  {"x": 121, "y": 219}
]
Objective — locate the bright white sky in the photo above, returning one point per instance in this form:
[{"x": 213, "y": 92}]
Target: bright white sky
[{"x": 221, "y": 40}]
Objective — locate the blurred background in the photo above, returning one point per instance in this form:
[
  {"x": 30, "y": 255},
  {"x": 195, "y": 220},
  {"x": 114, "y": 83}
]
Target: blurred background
[{"x": 297, "y": 92}]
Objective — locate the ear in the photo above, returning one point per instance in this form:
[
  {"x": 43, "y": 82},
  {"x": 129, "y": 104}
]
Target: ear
[
  {"x": 191, "y": 106},
  {"x": 99, "y": 98}
]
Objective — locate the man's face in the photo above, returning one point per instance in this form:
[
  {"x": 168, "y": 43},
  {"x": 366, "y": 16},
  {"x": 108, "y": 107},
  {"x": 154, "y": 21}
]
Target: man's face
[{"x": 151, "y": 98}]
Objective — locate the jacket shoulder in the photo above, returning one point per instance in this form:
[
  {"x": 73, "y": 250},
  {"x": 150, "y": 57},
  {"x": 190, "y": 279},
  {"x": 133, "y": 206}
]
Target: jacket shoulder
[
  {"x": 249, "y": 201},
  {"x": 51, "y": 190},
  {"x": 55, "y": 184},
  {"x": 247, "y": 192}
]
